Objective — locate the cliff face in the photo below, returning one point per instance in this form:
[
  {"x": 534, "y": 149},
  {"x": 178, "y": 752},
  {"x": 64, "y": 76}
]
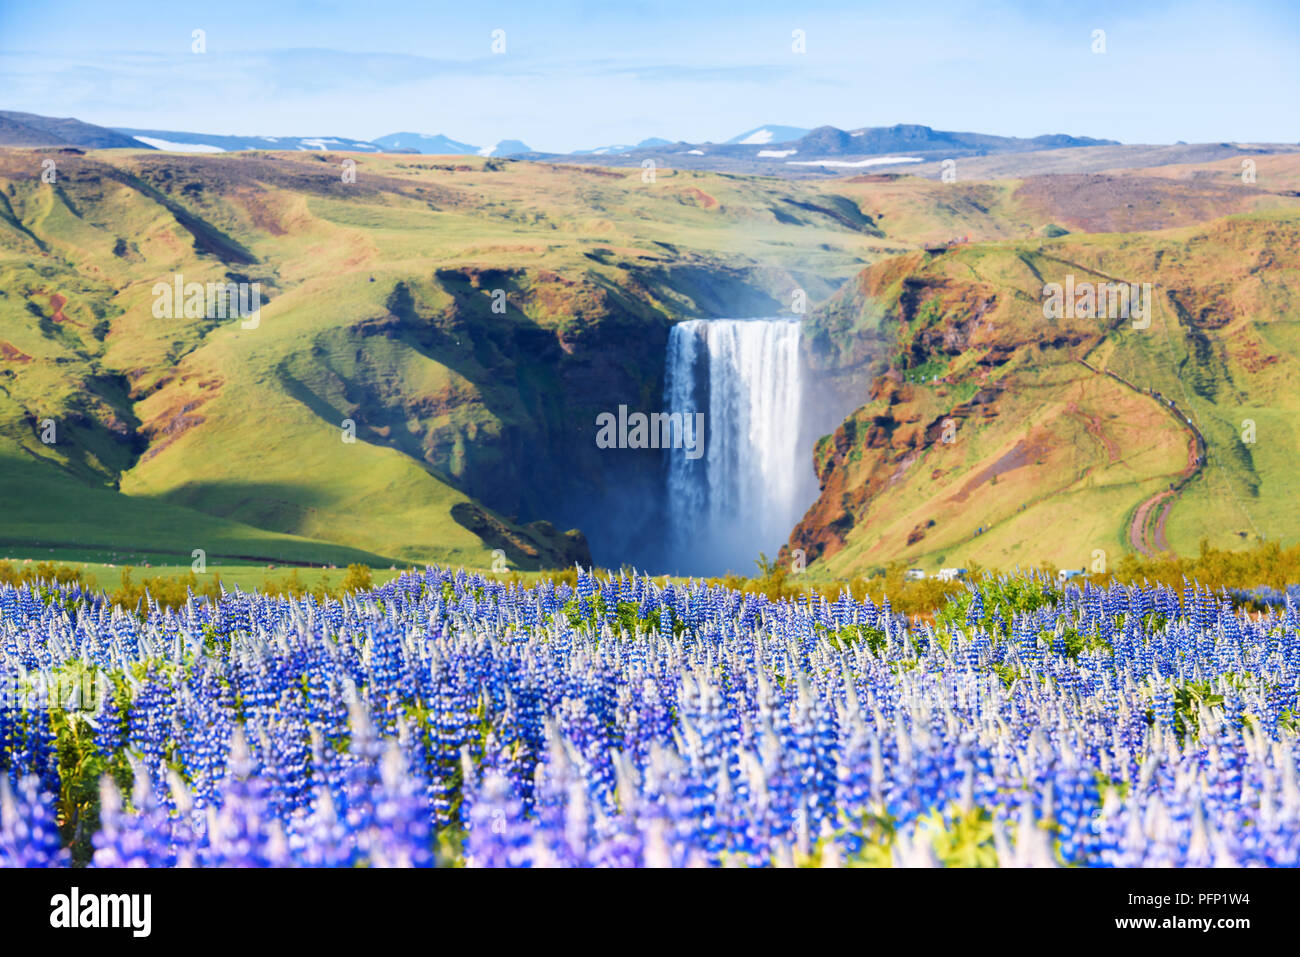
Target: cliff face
[
  {"x": 888, "y": 334},
  {"x": 512, "y": 424}
]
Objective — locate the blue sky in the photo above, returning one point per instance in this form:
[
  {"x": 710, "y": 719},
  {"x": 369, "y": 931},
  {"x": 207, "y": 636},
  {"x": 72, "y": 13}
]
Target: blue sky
[{"x": 584, "y": 74}]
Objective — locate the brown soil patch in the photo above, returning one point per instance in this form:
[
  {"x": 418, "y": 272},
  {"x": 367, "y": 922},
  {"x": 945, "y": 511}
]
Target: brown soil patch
[
  {"x": 262, "y": 211},
  {"x": 705, "y": 200},
  {"x": 1024, "y": 452},
  {"x": 170, "y": 424},
  {"x": 1246, "y": 350},
  {"x": 1104, "y": 203},
  {"x": 169, "y": 427},
  {"x": 1097, "y": 430},
  {"x": 57, "y": 302},
  {"x": 872, "y": 178},
  {"x": 11, "y": 353}
]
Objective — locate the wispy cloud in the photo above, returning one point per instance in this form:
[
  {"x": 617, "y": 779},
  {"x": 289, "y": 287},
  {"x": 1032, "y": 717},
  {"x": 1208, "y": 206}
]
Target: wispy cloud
[{"x": 581, "y": 74}]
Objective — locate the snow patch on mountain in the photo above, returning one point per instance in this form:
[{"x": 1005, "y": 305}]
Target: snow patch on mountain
[
  {"x": 173, "y": 147},
  {"x": 873, "y": 161}
]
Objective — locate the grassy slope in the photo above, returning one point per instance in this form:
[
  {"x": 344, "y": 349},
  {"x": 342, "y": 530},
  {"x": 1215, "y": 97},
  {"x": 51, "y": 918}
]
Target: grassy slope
[
  {"x": 1073, "y": 452},
  {"x": 49, "y": 513},
  {"x": 1229, "y": 352},
  {"x": 239, "y": 429},
  {"x": 243, "y": 426}
]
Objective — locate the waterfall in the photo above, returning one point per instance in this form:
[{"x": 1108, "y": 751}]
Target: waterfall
[{"x": 751, "y": 485}]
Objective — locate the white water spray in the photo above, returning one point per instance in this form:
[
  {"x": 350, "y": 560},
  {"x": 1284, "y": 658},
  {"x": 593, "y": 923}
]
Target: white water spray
[{"x": 752, "y": 485}]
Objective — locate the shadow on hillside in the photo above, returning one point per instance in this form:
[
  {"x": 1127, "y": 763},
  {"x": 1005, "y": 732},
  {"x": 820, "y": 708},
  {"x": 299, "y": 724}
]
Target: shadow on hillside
[
  {"x": 71, "y": 515},
  {"x": 516, "y": 430},
  {"x": 276, "y": 507}
]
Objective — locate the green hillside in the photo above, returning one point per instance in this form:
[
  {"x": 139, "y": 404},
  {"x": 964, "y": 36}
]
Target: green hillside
[
  {"x": 473, "y": 424},
  {"x": 466, "y": 319},
  {"x": 1064, "y": 445}
]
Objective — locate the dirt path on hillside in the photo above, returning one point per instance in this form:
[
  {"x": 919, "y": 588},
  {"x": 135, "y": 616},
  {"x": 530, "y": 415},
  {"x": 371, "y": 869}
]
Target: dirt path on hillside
[
  {"x": 1137, "y": 534},
  {"x": 1147, "y": 533},
  {"x": 1150, "y": 533}
]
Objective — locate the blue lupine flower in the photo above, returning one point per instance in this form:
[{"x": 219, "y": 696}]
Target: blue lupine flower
[
  {"x": 486, "y": 718},
  {"x": 29, "y": 836}
]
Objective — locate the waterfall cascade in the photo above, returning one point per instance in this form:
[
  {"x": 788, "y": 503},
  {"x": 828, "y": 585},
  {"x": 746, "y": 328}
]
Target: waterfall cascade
[{"x": 752, "y": 484}]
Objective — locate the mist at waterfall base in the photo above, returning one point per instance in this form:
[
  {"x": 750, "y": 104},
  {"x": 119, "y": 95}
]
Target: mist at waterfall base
[{"x": 755, "y": 479}]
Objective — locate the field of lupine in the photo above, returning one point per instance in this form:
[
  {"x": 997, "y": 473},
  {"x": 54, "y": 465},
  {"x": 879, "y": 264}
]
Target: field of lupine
[{"x": 449, "y": 719}]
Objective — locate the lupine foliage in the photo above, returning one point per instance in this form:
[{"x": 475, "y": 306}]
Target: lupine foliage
[{"x": 445, "y": 718}]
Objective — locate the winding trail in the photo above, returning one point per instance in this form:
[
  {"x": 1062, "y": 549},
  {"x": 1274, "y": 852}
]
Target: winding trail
[{"x": 1147, "y": 530}]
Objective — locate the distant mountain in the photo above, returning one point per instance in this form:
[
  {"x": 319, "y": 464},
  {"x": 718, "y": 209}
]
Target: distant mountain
[
  {"x": 183, "y": 142},
  {"x": 829, "y": 151},
  {"x": 771, "y": 149},
  {"x": 765, "y": 135},
  {"x": 653, "y": 141},
  {"x": 604, "y": 150},
  {"x": 506, "y": 148},
  {"x": 423, "y": 143},
  {"x": 29, "y": 129},
  {"x": 908, "y": 137},
  {"x": 32, "y": 130}
]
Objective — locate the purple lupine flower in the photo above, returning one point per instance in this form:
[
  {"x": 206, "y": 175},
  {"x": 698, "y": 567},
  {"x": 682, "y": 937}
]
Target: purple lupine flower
[{"x": 29, "y": 834}]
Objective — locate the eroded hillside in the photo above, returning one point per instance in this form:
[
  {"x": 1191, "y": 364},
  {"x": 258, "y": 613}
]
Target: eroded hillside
[
  {"x": 465, "y": 320},
  {"x": 996, "y": 434}
]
